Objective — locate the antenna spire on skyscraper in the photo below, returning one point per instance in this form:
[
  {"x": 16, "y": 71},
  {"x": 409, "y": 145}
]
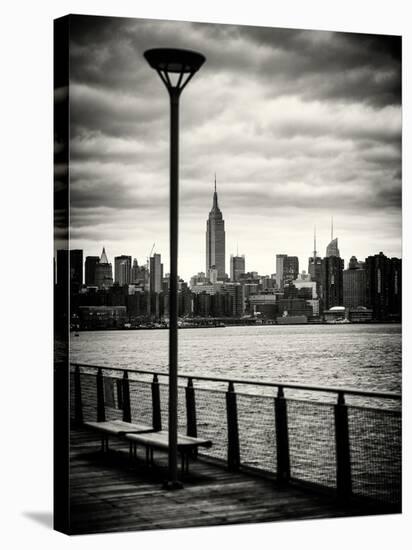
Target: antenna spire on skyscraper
[
  {"x": 314, "y": 241},
  {"x": 215, "y": 182}
]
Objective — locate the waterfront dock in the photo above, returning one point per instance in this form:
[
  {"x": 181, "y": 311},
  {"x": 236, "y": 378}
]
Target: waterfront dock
[
  {"x": 109, "y": 494},
  {"x": 279, "y": 452}
]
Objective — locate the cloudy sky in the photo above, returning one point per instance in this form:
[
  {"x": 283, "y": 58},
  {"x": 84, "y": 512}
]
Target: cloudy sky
[{"x": 298, "y": 125}]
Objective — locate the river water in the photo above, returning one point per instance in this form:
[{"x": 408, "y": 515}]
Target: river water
[
  {"x": 364, "y": 357},
  {"x": 357, "y": 356}
]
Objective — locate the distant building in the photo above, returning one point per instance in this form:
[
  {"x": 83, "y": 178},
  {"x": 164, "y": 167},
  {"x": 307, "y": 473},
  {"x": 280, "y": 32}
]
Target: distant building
[
  {"x": 216, "y": 239},
  {"x": 104, "y": 272},
  {"x": 90, "y": 270},
  {"x": 336, "y": 314},
  {"x": 384, "y": 287},
  {"x": 139, "y": 274},
  {"x": 332, "y": 249},
  {"x": 122, "y": 269},
  {"x": 360, "y": 315},
  {"x": 102, "y": 317},
  {"x": 156, "y": 273},
  {"x": 237, "y": 267},
  {"x": 354, "y": 285},
  {"x": 331, "y": 287},
  {"x": 287, "y": 269}
]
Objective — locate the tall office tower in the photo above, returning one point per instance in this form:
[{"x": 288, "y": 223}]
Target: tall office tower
[
  {"x": 215, "y": 239},
  {"x": 315, "y": 264},
  {"x": 156, "y": 273},
  {"x": 104, "y": 272},
  {"x": 237, "y": 267},
  {"x": 287, "y": 269},
  {"x": 122, "y": 269},
  {"x": 354, "y": 285},
  {"x": 331, "y": 287},
  {"x": 90, "y": 269},
  {"x": 384, "y": 286},
  {"x": 72, "y": 270},
  {"x": 332, "y": 248}
]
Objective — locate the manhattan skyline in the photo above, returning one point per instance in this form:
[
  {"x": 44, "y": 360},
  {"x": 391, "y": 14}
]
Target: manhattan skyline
[{"x": 299, "y": 126}]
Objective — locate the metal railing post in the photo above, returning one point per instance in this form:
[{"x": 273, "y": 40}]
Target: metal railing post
[
  {"x": 191, "y": 409},
  {"x": 101, "y": 415},
  {"x": 343, "y": 465},
  {"x": 127, "y": 415},
  {"x": 233, "y": 450},
  {"x": 156, "y": 412},
  {"x": 78, "y": 407},
  {"x": 282, "y": 438}
]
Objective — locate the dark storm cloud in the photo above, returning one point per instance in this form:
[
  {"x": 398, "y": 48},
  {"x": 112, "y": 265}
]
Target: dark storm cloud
[{"x": 305, "y": 123}]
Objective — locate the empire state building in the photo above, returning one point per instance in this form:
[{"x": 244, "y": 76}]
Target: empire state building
[{"x": 215, "y": 239}]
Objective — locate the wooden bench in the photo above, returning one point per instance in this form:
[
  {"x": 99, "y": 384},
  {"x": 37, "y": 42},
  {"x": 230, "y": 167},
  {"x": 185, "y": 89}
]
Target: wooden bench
[
  {"x": 160, "y": 440},
  {"x": 145, "y": 435},
  {"x": 116, "y": 428}
]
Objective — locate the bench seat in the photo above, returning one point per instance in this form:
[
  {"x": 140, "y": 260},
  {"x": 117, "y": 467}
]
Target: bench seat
[
  {"x": 160, "y": 440},
  {"x": 118, "y": 427}
]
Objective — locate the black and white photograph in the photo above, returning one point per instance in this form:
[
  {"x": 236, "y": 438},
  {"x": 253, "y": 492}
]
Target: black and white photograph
[{"x": 227, "y": 274}]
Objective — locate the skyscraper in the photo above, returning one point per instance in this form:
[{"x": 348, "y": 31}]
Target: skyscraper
[
  {"x": 384, "y": 288},
  {"x": 156, "y": 273},
  {"x": 104, "y": 272},
  {"x": 237, "y": 267},
  {"x": 354, "y": 285},
  {"x": 287, "y": 269},
  {"x": 216, "y": 239},
  {"x": 315, "y": 264},
  {"x": 90, "y": 269},
  {"x": 331, "y": 288},
  {"x": 122, "y": 269},
  {"x": 332, "y": 248}
]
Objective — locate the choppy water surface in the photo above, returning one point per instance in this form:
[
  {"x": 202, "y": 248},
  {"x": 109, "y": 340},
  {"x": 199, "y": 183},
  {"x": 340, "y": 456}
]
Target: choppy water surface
[{"x": 363, "y": 356}]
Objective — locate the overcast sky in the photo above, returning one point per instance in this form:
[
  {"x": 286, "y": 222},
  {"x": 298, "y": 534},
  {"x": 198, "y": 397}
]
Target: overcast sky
[{"x": 298, "y": 125}]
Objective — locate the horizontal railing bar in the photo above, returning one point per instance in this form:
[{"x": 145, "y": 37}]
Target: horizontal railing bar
[{"x": 286, "y": 385}]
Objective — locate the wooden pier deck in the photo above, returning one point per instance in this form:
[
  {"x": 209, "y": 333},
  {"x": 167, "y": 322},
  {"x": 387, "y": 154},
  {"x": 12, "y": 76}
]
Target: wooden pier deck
[{"x": 109, "y": 494}]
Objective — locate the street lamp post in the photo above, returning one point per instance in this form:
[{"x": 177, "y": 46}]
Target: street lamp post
[{"x": 175, "y": 68}]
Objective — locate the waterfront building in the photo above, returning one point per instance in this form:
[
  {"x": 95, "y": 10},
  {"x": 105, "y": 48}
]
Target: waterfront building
[
  {"x": 263, "y": 304},
  {"x": 331, "y": 287},
  {"x": 99, "y": 317},
  {"x": 90, "y": 270},
  {"x": 237, "y": 267},
  {"x": 156, "y": 273},
  {"x": 295, "y": 307},
  {"x": 216, "y": 239},
  {"x": 384, "y": 287},
  {"x": 287, "y": 269},
  {"x": 122, "y": 269},
  {"x": 104, "y": 272},
  {"x": 354, "y": 285},
  {"x": 336, "y": 314},
  {"x": 360, "y": 314}
]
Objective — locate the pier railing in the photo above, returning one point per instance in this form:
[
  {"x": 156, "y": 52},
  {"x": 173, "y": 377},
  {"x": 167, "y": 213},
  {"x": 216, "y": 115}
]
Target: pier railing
[{"x": 343, "y": 439}]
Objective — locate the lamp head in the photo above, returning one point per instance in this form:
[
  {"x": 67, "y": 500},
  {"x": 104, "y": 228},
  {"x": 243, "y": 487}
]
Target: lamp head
[{"x": 182, "y": 64}]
